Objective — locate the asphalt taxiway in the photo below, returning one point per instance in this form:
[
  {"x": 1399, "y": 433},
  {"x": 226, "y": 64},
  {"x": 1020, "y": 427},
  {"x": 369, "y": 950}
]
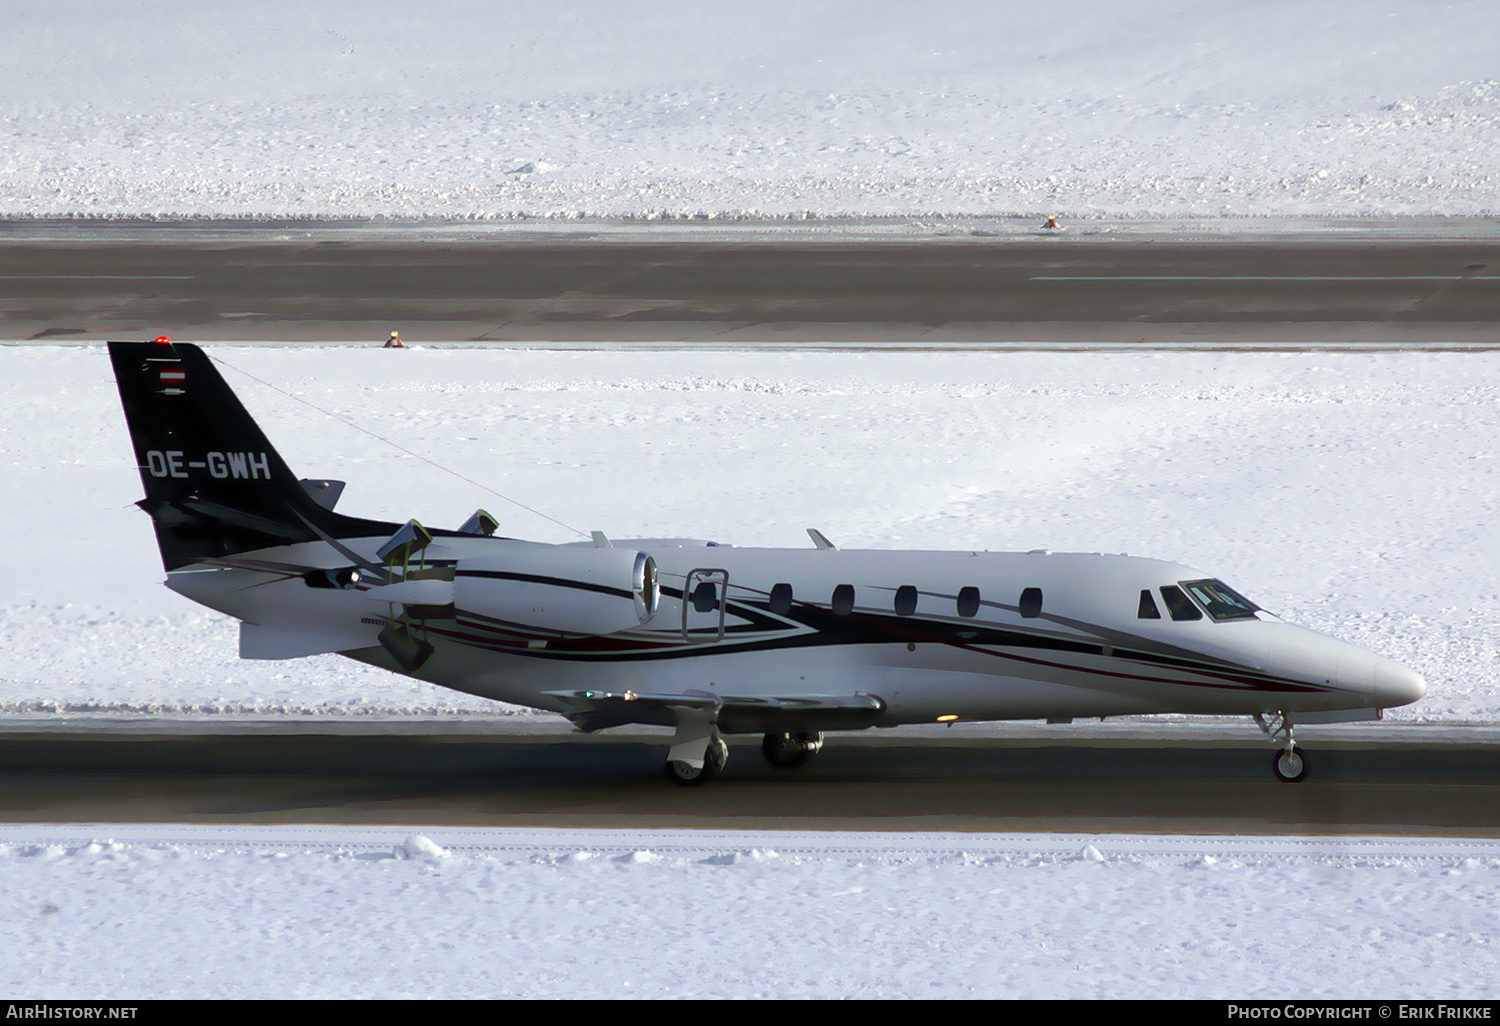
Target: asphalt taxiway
[
  {"x": 1372, "y": 290},
  {"x": 1365, "y": 780}
]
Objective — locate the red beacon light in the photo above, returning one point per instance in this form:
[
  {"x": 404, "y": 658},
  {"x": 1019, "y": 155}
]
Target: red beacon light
[{"x": 163, "y": 340}]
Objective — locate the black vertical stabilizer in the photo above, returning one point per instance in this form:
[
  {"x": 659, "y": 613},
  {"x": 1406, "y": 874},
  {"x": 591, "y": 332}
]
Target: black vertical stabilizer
[{"x": 214, "y": 484}]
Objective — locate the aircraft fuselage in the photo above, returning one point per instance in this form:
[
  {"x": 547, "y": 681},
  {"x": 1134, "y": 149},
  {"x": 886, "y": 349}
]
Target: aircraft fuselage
[{"x": 930, "y": 634}]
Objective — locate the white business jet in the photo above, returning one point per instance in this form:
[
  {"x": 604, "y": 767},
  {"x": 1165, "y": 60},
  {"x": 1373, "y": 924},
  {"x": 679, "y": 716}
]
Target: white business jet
[{"x": 704, "y": 638}]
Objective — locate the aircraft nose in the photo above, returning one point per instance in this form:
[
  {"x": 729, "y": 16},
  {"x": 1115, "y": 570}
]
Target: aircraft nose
[{"x": 1397, "y": 685}]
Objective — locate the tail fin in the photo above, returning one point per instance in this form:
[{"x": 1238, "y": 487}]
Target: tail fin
[{"x": 214, "y": 485}]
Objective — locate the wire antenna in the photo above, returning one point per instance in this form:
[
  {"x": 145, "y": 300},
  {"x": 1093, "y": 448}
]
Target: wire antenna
[{"x": 399, "y": 447}]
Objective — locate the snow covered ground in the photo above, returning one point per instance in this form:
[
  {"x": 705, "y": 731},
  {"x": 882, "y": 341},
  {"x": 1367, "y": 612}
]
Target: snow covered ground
[
  {"x": 778, "y": 109},
  {"x": 215, "y": 912},
  {"x": 1350, "y": 492},
  {"x": 1353, "y": 493}
]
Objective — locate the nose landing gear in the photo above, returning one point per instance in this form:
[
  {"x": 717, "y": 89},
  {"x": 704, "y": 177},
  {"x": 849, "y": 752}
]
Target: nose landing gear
[{"x": 1289, "y": 765}]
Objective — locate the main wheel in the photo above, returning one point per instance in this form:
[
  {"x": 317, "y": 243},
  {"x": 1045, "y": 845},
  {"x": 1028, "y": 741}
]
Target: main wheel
[
  {"x": 714, "y": 757},
  {"x": 1289, "y": 766},
  {"x": 686, "y": 775},
  {"x": 788, "y": 751}
]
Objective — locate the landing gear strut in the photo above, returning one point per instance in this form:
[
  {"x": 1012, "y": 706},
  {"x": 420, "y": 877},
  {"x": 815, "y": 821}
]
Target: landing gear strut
[
  {"x": 790, "y": 750},
  {"x": 697, "y": 752},
  {"x": 1289, "y": 765}
]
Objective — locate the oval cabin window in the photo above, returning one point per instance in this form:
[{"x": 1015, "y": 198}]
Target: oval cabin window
[
  {"x": 843, "y": 600},
  {"x": 906, "y": 600},
  {"x": 1031, "y": 602},
  {"x": 968, "y": 601}
]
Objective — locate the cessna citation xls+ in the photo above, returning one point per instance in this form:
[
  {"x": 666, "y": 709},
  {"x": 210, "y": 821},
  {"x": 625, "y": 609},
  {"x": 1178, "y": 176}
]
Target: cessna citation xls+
[{"x": 708, "y": 639}]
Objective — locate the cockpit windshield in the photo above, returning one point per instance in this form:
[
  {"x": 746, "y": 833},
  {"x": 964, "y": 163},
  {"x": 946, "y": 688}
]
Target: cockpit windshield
[{"x": 1220, "y": 600}]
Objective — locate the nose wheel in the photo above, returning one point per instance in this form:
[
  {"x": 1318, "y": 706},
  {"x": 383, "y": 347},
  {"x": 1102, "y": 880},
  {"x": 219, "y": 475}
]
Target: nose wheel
[{"x": 1289, "y": 764}]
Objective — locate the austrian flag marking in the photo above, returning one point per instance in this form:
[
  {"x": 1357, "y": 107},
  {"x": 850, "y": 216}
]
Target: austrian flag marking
[{"x": 173, "y": 377}]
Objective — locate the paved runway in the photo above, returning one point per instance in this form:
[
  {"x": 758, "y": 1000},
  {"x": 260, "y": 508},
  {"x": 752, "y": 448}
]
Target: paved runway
[
  {"x": 498, "y": 288},
  {"x": 1374, "y": 779}
]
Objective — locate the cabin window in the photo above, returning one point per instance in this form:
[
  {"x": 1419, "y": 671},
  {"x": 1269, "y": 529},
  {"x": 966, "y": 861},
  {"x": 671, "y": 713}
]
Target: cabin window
[
  {"x": 1147, "y": 609},
  {"x": 1031, "y": 602},
  {"x": 1179, "y": 605},
  {"x": 906, "y": 600},
  {"x": 1221, "y": 601},
  {"x": 843, "y": 600},
  {"x": 781, "y": 599},
  {"x": 706, "y": 597},
  {"x": 968, "y": 601}
]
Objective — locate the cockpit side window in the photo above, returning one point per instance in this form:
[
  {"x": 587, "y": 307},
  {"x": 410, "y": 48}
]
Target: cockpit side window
[
  {"x": 1221, "y": 601},
  {"x": 1179, "y": 605},
  {"x": 1147, "y": 609}
]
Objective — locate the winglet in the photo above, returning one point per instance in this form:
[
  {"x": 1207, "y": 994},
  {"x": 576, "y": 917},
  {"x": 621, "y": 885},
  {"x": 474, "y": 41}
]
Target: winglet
[
  {"x": 820, "y": 541},
  {"x": 600, "y": 541}
]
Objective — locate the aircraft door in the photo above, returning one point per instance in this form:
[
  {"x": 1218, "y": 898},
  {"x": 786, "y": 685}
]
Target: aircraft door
[{"x": 704, "y": 594}]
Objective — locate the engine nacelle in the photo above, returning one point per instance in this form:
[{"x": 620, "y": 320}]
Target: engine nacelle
[{"x": 583, "y": 592}]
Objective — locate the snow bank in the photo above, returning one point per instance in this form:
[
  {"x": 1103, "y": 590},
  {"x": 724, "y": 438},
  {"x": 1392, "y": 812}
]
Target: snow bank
[
  {"x": 331, "y": 912},
  {"x": 777, "y": 110}
]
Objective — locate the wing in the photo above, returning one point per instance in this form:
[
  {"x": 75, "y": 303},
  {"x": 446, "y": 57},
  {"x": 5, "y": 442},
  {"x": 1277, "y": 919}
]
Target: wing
[{"x": 735, "y": 714}]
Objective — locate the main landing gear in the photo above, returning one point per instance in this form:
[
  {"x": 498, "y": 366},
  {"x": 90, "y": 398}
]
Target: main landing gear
[
  {"x": 699, "y": 754},
  {"x": 694, "y": 773},
  {"x": 790, "y": 750},
  {"x": 1289, "y": 765}
]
